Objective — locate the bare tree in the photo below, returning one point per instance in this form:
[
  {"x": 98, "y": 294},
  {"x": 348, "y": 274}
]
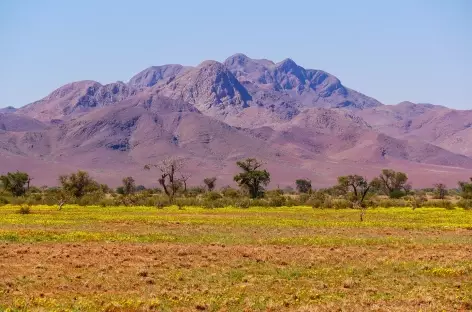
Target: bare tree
[
  {"x": 172, "y": 179},
  {"x": 184, "y": 178}
]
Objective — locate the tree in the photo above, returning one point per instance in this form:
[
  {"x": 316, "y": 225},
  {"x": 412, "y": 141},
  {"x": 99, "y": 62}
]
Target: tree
[
  {"x": 441, "y": 190},
  {"x": 184, "y": 178},
  {"x": 392, "y": 183},
  {"x": 172, "y": 180},
  {"x": 129, "y": 186},
  {"x": 466, "y": 189},
  {"x": 356, "y": 189},
  {"x": 210, "y": 183},
  {"x": 303, "y": 185},
  {"x": 78, "y": 184},
  {"x": 16, "y": 183},
  {"x": 252, "y": 178}
]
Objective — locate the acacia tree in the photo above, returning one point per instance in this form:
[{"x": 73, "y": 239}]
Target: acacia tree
[
  {"x": 210, "y": 183},
  {"x": 392, "y": 183},
  {"x": 356, "y": 189},
  {"x": 129, "y": 186},
  {"x": 466, "y": 189},
  {"x": 78, "y": 184},
  {"x": 172, "y": 180},
  {"x": 303, "y": 185},
  {"x": 184, "y": 178},
  {"x": 17, "y": 183},
  {"x": 441, "y": 190},
  {"x": 252, "y": 178}
]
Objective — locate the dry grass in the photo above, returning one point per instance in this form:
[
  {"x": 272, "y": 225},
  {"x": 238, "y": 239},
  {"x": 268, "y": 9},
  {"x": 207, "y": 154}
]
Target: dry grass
[{"x": 297, "y": 259}]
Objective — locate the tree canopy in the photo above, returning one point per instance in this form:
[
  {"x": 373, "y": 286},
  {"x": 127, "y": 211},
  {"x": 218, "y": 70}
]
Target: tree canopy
[
  {"x": 15, "y": 182},
  {"x": 78, "y": 184},
  {"x": 252, "y": 178},
  {"x": 303, "y": 185},
  {"x": 392, "y": 183}
]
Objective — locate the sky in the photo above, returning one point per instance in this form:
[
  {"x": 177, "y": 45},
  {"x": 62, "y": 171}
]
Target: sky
[{"x": 392, "y": 50}]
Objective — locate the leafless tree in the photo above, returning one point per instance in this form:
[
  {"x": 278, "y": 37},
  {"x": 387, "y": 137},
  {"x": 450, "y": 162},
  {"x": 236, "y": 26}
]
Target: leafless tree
[{"x": 171, "y": 177}]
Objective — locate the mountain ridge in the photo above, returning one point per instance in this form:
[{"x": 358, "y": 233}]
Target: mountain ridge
[{"x": 301, "y": 121}]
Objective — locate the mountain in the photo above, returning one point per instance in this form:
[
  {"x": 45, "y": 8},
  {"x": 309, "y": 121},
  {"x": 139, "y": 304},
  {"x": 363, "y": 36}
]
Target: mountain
[
  {"x": 155, "y": 74},
  {"x": 8, "y": 109},
  {"x": 76, "y": 98},
  {"x": 17, "y": 123},
  {"x": 312, "y": 87},
  {"x": 300, "y": 122},
  {"x": 210, "y": 87},
  {"x": 448, "y": 128}
]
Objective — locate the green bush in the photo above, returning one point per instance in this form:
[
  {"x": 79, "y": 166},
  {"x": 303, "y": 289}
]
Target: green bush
[
  {"x": 212, "y": 196},
  {"x": 18, "y": 200},
  {"x": 276, "y": 201},
  {"x": 465, "y": 203},
  {"x": 303, "y": 198},
  {"x": 24, "y": 209},
  {"x": 107, "y": 202},
  {"x": 396, "y": 194},
  {"x": 230, "y": 192},
  {"x": 341, "y": 204},
  {"x": 439, "y": 203},
  {"x": 243, "y": 203},
  {"x": 195, "y": 191},
  {"x": 4, "y": 201},
  {"x": 90, "y": 199},
  {"x": 211, "y": 204},
  {"x": 388, "y": 203}
]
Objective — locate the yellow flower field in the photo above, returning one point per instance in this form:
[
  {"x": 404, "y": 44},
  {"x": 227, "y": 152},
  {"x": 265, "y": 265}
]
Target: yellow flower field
[{"x": 256, "y": 259}]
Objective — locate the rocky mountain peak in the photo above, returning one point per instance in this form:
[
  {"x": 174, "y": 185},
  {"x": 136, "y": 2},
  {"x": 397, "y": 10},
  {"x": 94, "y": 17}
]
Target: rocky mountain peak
[{"x": 154, "y": 74}]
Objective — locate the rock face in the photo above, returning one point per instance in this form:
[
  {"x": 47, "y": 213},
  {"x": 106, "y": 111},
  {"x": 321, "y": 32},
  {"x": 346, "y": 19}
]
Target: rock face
[
  {"x": 155, "y": 74},
  {"x": 211, "y": 87},
  {"x": 76, "y": 98},
  {"x": 301, "y": 122}
]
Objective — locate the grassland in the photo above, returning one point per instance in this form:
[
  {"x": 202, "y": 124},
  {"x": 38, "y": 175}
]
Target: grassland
[{"x": 256, "y": 259}]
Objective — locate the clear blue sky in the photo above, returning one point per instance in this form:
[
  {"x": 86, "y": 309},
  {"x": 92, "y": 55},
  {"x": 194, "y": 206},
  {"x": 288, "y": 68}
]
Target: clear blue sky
[{"x": 392, "y": 50}]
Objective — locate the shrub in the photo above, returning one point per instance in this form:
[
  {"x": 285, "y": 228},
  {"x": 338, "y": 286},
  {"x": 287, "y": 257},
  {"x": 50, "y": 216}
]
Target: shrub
[
  {"x": 418, "y": 200},
  {"x": 276, "y": 201},
  {"x": 187, "y": 201},
  {"x": 4, "y": 201},
  {"x": 24, "y": 209},
  {"x": 160, "y": 204},
  {"x": 274, "y": 193},
  {"x": 18, "y": 201},
  {"x": 440, "y": 203},
  {"x": 395, "y": 194},
  {"x": 211, "y": 204},
  {"x": 212, "y": 196},
  {"x": 341, "y": 204},
  {"x": 243, "y": 203},
  {"x": 230, "y": 192},
  {"x": 388, "y": 203},
  {"x": 303, "y": 198},
  {"x": 106, "y": 202},
  {"x": 317, "y": 199},
  {"x": 195, "y": 191},
  {"x": 465, "y": 203}
]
